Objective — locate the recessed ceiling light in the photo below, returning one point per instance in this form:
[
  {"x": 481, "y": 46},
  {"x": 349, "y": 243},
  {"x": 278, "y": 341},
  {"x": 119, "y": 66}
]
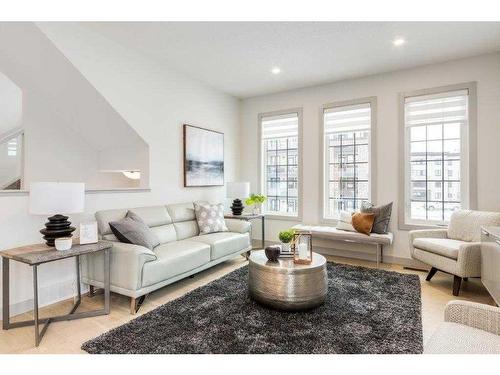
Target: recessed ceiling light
[
  {"x": 399, "y": 42},
  {"x": 276, "y": 70}
]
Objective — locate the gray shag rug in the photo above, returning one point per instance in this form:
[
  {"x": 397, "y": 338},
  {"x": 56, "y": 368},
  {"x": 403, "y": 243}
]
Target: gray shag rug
[{"x": 366, "y": 311}]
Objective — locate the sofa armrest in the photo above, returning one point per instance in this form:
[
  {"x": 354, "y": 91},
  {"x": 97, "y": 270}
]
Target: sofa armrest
[
  {"x": 472, "y": 314},
  {"x": 425, "y": 233},
  {"x": 238, "y": 226},
  {"x": 126, "y": 262}
]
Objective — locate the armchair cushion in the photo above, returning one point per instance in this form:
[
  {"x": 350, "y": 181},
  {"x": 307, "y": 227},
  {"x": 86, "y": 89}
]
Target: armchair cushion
[
  {"x": 441, "y": 246},
  {"x": 469, "y": 328},
  {"x": 454, "y": 338}
]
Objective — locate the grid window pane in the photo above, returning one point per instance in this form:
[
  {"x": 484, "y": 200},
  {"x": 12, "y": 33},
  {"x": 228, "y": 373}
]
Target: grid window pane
[
  {"x": 452, "y": 131},
  {"x": 280, "y": 163},
  {"x": 433, "y": 135},
  {"x": 452, "y": 169},
  {"x": 347, "y": 138},
  {"x": 418, "y": 170},
  {"x": 418, "y": 150}
]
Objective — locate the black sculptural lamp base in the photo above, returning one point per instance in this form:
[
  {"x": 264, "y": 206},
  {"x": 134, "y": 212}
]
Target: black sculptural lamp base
[
  {"x": 237, "y": 207},
  {"x": 58, "y": 226}
]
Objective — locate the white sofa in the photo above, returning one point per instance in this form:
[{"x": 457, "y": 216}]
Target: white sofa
[
  {"x": 456, "y": 250},
  {"x": 137, "y": 271},
  {"x": 469, "y": 328}
]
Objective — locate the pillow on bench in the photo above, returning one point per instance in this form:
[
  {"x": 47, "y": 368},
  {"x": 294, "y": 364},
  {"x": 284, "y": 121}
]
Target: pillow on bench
[
  {"x": 345, "y": 221},
  {"x": 382, "y": 216}
]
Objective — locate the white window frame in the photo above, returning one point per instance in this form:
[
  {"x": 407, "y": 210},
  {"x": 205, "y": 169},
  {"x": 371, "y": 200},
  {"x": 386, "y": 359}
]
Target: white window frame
[
  {"x": 272, "y": 215},
  {"x": 468, "y": 170},
  {"x": 372, "y": 150}
]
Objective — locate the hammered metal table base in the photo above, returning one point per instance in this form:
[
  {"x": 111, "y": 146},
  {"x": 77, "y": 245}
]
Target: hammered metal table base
[{"x": 287, "y": 286}]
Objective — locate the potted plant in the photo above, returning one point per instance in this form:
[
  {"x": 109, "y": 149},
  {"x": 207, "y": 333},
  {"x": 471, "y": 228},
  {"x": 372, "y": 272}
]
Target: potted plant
[
  {"x": 256, "y": 201},
  {"x": 286, "y": 236}
]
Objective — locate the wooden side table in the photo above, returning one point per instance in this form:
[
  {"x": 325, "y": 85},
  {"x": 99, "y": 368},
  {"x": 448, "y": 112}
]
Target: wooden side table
[
  {"x": 35, "y": 255},
  {"x": 248, "y": 217}
]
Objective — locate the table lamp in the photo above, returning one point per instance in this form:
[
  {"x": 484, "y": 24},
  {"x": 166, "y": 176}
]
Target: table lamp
[
  {"x": 237, "y": 191},
  {"x": 55, "y": 199}
]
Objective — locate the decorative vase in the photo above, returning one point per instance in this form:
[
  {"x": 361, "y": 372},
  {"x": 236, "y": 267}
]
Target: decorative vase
[
  {"x": 285, "y": 247},
  {"x": 257, "y": 208},
  {"x": 273, "y": 252}
]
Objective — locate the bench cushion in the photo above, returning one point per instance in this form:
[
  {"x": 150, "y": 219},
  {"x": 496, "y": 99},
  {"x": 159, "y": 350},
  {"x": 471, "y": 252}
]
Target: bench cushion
[{"x": 328, "y": 232}]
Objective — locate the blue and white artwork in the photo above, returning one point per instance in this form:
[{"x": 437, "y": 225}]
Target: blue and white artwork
[{"x": 203, "y": 157}]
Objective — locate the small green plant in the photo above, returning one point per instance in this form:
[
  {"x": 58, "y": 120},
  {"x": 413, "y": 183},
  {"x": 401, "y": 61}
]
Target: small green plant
[
  {"x": 286, "y": 236},
  {"x": 255, "y": 199}
]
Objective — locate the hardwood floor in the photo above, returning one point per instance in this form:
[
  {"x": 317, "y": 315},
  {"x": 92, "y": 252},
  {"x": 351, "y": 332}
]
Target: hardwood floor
[{"x": 67, "y": 337}]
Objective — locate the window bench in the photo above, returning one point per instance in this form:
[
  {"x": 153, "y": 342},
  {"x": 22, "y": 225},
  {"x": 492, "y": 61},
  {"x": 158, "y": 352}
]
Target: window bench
[{"x": 334, "y": 234}]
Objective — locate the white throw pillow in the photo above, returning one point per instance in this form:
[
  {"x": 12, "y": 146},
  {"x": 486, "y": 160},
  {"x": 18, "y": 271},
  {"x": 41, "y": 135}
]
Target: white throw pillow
[
  {"x": 345, "y": 221},
  {"x": 210, "y": 217}
]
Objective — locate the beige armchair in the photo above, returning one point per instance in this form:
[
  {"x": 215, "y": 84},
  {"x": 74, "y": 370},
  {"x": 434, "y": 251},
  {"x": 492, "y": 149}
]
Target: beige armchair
[
  {"x": 455, "y": 250},
  {"x": 468, "y": 328}
]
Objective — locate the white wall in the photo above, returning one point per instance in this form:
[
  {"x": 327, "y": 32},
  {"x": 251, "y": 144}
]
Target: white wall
[
  {"x": 155, "y": 101},
  {"x": 484, "y": 69},
  {"x": 63, "y": 114}
]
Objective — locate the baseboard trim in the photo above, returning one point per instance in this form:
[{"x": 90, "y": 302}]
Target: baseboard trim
[
  {"x": 66, "y": 289},
  {"x": 361, "y": 255}
]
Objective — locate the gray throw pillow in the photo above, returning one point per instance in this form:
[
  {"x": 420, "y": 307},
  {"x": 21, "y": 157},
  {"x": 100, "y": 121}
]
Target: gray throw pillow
[
  {"x": 210, "y": 218},
  {"x": 382, "y": 216},
  {"x": 132, "y": 229}
]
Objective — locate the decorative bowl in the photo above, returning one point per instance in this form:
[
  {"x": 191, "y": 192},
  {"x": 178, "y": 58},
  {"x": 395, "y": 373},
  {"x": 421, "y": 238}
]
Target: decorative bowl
[
  {"x": 273, "y": 252},
  {"x": 63, "y": 243}
]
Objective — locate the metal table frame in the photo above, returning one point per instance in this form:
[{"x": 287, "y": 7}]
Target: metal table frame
[{"x": 72, "y": 315}]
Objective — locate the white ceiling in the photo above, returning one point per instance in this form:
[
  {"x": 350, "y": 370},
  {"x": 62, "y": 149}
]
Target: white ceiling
[{"x": 237, "y": 57}]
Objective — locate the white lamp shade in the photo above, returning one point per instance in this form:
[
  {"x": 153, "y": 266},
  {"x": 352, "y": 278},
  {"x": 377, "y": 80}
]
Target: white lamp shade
[
  {"x": 238, "y": 190},
  {"x": 50, "y": 198}
]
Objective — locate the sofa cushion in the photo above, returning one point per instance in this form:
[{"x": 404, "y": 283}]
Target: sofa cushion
[
  {"x": 175, "y": 258},
  {"x": 440, "y": 246},
  {"x": 181, "y": 212},
  {"x": 454, "y": 338},
  {"x": 465, "y": 225},
  {"x": 153, "y": 216},
  {"x": 186, "y": 229},
  {"x": 165, "y": 233},
  {"x": 132, "y": 229},
  {"x": 224, "y": 243}
]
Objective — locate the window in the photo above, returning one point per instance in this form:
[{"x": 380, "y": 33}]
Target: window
[
  {"x": 347, "y": 132},
  {"x": 12, "y": 147},
  {"x": 280, "y": 170},
  {"x": 437, "y": 128}
]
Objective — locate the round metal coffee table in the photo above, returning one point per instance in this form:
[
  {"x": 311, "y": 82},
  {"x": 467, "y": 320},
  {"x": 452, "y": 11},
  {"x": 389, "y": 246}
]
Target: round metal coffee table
[{"x": 287, "y": 286}]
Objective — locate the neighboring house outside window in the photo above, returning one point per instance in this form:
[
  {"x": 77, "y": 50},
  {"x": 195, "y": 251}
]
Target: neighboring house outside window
[
  {"x": 280, "y": 162},
  {"x": 347, "y": 150},
  {"x": 437, "y": 131}
]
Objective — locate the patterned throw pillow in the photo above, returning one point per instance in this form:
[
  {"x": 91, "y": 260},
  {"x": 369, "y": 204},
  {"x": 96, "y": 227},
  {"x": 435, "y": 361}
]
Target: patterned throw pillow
[{"x": 210, "y": 218}]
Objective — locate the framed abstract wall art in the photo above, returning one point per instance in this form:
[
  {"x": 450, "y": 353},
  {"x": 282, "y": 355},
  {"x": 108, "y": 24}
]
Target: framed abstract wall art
[{"x": 203, "y": 157}]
